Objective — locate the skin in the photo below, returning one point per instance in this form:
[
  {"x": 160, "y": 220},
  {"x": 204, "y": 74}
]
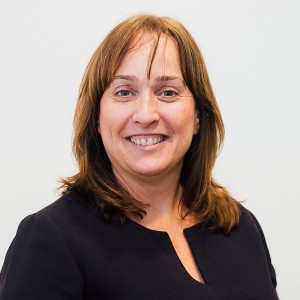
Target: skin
[
  {"x": 135, "y": 107},
  {"x": 147, "y": 125}
]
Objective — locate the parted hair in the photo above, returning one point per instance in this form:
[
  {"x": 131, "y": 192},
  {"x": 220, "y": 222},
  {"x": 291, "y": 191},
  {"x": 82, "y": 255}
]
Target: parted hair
[{"x": 208, "y": 201}]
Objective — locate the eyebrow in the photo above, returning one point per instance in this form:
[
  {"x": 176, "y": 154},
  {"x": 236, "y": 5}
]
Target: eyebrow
[
  {"x": 165, "y": 78},
  {"x": 126, "y": 77},
  {"x": 156, "y": 79}
]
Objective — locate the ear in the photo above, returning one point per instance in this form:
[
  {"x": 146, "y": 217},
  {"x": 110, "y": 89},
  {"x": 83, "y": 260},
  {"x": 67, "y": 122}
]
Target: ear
[{"x": 197, "y": 123}]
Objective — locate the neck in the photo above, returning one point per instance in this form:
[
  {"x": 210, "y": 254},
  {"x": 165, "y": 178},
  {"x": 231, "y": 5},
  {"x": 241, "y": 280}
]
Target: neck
[{"x": 163, "y": 195}]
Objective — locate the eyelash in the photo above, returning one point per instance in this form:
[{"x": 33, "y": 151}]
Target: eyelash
[
  {"x": 118, "y": 93},
  {"x": 161, "y": 94},
  {"x": 169, "y": 91}
]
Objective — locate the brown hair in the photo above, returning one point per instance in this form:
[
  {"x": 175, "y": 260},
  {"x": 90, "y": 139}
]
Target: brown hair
[{"x": 209, "y": 201}]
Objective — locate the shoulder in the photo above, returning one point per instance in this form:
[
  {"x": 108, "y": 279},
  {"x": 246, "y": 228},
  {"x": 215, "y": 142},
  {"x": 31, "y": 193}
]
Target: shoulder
[
  {"x": 247, "y": 237},
  {"x": 248, "y": 228},
  {"x": 249, "y": 223},
  {"x": 60, "y": 218},
  {"x": 247, "y": 218},
  {"x": 69, "y": 218},
  {"x": 251, "y": 234},
  {"x": 69, "y": 211},
  {"x": 41, "y": 257},
  {"x": 68, "y": 206}
]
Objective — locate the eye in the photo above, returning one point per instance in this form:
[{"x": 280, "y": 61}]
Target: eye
[
  {"x": 123, "y": 93},
  {"x": 169, "y": 93}
]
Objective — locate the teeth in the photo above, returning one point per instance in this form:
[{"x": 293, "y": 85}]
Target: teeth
[{"x": 148, "y": 142}]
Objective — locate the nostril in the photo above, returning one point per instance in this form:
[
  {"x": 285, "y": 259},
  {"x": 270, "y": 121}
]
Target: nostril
[{"x": 146, "y": 114}]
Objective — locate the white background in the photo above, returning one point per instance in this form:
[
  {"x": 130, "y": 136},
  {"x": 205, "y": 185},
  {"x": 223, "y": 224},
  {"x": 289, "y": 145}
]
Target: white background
[{"x": 251, "y": 49}]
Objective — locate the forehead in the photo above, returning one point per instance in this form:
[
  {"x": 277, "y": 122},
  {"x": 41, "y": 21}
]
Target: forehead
[{"x": 156, "y": 57}]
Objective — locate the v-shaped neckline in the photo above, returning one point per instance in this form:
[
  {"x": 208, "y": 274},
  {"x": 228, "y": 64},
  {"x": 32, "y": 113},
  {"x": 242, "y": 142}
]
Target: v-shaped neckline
[
  {"x": 165, "y": 235},
  {"x": 162, "y": 231}
]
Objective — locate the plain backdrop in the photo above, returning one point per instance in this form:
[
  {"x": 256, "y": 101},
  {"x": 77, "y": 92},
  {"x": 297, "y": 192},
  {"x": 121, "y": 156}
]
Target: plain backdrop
[{"x": 251, "y": 49}]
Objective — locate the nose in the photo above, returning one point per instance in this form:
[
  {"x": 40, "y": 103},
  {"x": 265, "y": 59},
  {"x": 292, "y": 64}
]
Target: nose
[{"x": 146, "y": 112}]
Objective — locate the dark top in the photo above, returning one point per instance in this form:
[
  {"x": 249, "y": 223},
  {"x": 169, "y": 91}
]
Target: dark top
[{"x": 67, "y": 251}]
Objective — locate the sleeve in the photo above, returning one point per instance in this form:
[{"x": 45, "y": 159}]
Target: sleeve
[
  {"x": 39, "y": 264},
  {"x": 271, "y": 268}
]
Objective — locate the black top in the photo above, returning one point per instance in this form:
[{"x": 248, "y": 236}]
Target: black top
[{"x": 67, "y": 251}]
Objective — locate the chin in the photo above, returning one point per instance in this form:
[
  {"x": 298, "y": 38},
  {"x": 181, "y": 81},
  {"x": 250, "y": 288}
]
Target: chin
[
  {"x": 149, "y": 172},
  {"x": 152, "y": 170},
  {"x": 148, "y": 169}
]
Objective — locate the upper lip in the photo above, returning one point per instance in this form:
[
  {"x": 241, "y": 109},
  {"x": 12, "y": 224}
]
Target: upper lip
[{"x": 142, "y": 134}]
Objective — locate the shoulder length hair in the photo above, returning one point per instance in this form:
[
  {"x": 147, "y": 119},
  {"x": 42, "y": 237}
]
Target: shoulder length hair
[{"x": 207, "y": 200}]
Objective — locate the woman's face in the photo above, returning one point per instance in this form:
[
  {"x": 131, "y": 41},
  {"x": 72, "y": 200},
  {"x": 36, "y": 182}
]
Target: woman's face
[{"x": 147, "y": 125}]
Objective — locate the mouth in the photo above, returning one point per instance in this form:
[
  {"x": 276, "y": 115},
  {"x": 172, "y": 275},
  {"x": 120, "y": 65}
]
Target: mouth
[{"x": 147, "y": 140}]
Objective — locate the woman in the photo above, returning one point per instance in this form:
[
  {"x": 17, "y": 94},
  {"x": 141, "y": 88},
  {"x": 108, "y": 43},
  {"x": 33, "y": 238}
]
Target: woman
[{"x": 143, "y": 218}]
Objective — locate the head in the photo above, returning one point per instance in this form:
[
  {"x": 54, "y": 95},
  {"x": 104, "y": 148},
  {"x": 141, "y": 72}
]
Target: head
[{"x": 94, "y": 165}]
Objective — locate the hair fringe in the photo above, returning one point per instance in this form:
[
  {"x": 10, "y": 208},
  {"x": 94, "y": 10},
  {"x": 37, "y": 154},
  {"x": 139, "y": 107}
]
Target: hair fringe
[{"x": 207, "y": 200}]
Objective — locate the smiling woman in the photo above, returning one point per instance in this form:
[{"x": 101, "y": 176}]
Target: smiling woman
[
  {"x": 140, "y": 44},
  {"x": 143, "y": 218},
  {"x": 147, "y": 123}
]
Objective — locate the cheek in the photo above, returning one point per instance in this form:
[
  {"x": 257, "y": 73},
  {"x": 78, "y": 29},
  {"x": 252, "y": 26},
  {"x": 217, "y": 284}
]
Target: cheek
[
  {"x": 188, "y": 130},
  {"x": 185, "y": 121},
  {"x": 113, "y": 119},
  {"x": 183, "y": 126},
  {"x": 107, "y": 125},
  {"x": 104, "y": 118}
]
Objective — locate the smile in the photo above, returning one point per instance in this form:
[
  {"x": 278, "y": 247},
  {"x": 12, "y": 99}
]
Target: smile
[{"x": 147, "y": 141}]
